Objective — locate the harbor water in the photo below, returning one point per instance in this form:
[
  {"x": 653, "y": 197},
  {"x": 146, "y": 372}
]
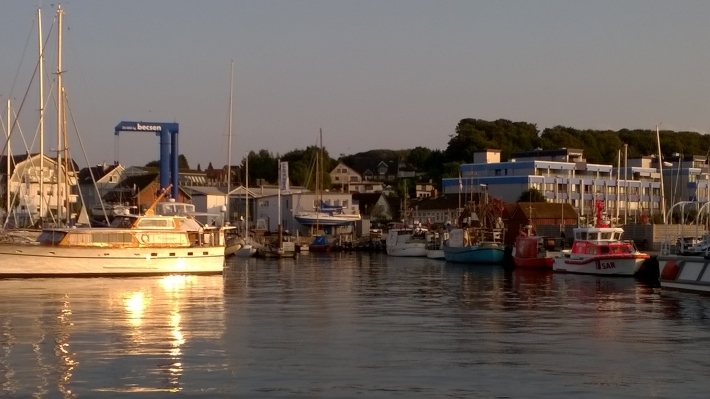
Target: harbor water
[{"x": 350, "y": 325}]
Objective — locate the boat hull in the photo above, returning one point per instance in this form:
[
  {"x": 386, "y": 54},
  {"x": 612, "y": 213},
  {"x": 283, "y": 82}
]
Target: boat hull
[
  {"x": 324, "y": 220},
  {"x": 475, "y": 254},
  {"x": 684, "y": 273},
  {"x": 534, "y": 263},
  {"x": 44, "y": 261},
  {"x": 627, "y": 265},
  {"x": 408, "y": 249},
  {"x": 529, "y": 253},
  {"x": 246, "y": 251},
  {"x": 437, "y": 254}
]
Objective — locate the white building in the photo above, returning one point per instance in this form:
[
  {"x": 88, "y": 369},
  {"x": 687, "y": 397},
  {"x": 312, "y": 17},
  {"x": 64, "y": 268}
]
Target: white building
[
  {"x": 58, "y": 188},
  {"x": 562, "y": 175}
]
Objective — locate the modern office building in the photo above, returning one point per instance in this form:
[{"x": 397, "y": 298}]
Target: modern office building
[{"x": 564, "y": 176}]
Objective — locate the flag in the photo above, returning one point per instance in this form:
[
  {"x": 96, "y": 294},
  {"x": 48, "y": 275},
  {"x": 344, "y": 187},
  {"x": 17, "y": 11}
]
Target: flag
[{"x": 283, "y": 177}]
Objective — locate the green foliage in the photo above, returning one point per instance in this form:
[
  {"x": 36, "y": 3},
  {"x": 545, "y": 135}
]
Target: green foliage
[
  {"x": 532, "y": 195},
  {"x": 182, "y": 163},
  {"x": 475, "y": 135},
  {"x": 262, "y": 165}
]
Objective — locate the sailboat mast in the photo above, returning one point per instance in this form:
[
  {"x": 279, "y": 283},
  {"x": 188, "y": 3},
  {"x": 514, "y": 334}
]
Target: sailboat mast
[
  {"x": 66, "y": 156},
  {"x": 60, "y": 103},
  {"x": 7, "y": 191},
  {"x": 319, "y": 190},
  {"x": 229, "y": 140},
  {"x": 41, "y": 116},
  {"x": 660, "y": 170},
  {"x": 246, "y": 212}
]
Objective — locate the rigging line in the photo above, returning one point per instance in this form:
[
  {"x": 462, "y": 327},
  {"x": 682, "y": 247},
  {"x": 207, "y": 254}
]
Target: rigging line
[
  {"x": 86, "y": 158},
  {"x": 19, "y": 110},
  {"x": 24, "y": 51}
]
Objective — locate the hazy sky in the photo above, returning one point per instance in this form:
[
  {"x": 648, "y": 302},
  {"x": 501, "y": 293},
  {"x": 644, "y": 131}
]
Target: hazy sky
[{"x": 371, "y": 73}]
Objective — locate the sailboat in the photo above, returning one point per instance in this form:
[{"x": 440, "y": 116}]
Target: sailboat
[
  {"x": 320, "y": 242},
  {"x": 247, "y": 249}
]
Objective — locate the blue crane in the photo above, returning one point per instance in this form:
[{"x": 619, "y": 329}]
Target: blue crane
[{"x": 168, "y": 148}]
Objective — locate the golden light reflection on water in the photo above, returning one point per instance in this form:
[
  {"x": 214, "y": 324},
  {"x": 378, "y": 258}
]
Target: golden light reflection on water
[{"x": 139, "y": 327}]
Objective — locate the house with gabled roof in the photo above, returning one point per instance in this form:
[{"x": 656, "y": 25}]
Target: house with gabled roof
[
  {"x": 96, "y": 181},
  {"x": 24, "y": 176},
  {"x": 547, "y": 218},
  {"x": 435, "y": 210},
  {"x": 377, "y": 206}
]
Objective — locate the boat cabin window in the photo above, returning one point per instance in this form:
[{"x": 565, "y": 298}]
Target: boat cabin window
[
  {"x": 607, "y": 235},
  {"x": 581, "y": 235},
  {"x": 593, "y": 236},
  {"x": 156, "y": 223},
  {"x": 112, "y": 238},
  {"x": 51, "y": 237}
]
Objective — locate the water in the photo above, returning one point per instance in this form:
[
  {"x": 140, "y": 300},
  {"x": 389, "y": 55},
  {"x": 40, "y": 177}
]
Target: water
[{"x": 353, "y": 325}]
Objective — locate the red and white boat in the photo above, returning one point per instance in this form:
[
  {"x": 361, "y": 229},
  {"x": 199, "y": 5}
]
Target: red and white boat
[
  {"x": 534, "y": 252},
  {"x": 600, "y": 250}
]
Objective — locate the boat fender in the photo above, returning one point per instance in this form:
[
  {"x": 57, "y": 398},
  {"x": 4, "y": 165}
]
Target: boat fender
[{"x": 145, "y": 238}]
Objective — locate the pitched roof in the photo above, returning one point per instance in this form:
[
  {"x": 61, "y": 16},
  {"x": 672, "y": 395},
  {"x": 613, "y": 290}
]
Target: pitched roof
[
  {"x": 98, "y": 171},
  {"x": 366, "y": 201},
  {"x": 446, "y": 201},
  {"x": 364, "y": 164},
  {"x": 15, "y": 159}
]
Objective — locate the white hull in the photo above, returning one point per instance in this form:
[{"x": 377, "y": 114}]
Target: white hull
[
  {"x": 246, "y": 251},
  {"x": 600, "y": 265},
  {"x": 686, "y": 273},
  {"x": 37, "y": 260},
  {"x": 407, "y": 249},
  {"x": 435, "y": 254},
  {"x": 403, "y": 242}
]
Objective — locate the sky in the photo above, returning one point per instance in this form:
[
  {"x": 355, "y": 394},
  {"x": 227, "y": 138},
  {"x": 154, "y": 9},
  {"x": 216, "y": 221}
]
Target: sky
[{"x": 372, "y": 74}]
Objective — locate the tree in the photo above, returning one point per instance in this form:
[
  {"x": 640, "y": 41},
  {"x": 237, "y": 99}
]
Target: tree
[
  {"x": 182, "y": 163},
  {"x": 532, "y": 195},
  {"x": 262, "y": 165}
]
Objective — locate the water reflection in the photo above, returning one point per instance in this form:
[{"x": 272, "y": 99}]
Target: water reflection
[
  {"x": 132, "y": 335},
  {"x": 346, "y": 325}
]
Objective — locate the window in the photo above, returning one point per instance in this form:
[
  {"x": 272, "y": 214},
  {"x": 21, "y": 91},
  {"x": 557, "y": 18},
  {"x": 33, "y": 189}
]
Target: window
[{"x": 345, "y": 203}]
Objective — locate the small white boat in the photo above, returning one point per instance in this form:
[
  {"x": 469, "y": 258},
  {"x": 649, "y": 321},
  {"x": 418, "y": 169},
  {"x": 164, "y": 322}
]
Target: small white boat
[
  {"x": 407, "y": 242},
  {"x": 599, "y": 250}
]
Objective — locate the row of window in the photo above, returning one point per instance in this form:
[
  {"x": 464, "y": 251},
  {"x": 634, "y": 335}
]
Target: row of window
[{"x": 592, "y": 189}]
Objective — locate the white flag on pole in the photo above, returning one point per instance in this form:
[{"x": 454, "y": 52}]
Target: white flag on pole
[{"x": 283, "y": 178}]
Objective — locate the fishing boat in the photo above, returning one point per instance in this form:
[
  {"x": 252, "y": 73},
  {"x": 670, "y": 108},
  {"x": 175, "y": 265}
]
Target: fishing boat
[
  {"x": 474, "y": 245},
  {"x": 531, "y": 251},
  {"x": 406, "y": 241},
  {"x": 599, "y": 249},
  {"x": 134, "y": 245},
  {"x": 685, "y": 265}
]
